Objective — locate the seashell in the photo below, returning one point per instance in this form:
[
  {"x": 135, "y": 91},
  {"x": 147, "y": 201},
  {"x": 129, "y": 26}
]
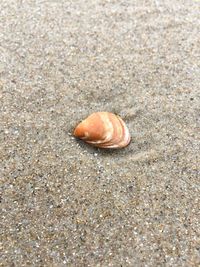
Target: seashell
[{"x": 104, "y": 130}]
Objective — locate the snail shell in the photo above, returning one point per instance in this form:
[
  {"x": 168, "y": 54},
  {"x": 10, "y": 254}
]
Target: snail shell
[{"x": 104, "y": 130}]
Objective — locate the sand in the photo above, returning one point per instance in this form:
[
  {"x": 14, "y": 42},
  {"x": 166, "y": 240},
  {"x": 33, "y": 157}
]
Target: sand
[{"x": 64, "y": 203}]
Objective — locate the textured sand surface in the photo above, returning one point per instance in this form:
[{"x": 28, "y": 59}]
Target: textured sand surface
[{"x": 64, "y": 203}]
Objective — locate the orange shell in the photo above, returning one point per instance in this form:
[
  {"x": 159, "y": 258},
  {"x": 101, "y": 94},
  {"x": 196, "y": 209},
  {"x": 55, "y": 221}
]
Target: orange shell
[{"x": 104, "y": 130}]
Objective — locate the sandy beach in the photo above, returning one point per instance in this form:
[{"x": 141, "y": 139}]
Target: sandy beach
[{"x": 65, "y": 203}]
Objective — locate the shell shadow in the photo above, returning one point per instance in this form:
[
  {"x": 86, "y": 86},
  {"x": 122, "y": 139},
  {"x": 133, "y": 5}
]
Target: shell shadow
[{"x": 105, "y": 152}]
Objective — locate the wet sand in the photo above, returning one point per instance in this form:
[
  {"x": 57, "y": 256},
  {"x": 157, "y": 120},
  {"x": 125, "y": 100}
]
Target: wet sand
[{"x": 64, "y": 203}]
